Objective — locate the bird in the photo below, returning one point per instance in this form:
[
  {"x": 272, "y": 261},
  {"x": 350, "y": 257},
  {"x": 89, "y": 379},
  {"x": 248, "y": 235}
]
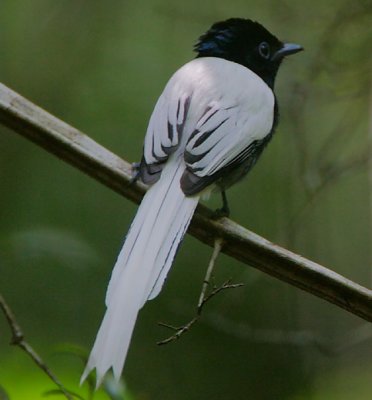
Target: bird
[{"x": 208, "y": 128}]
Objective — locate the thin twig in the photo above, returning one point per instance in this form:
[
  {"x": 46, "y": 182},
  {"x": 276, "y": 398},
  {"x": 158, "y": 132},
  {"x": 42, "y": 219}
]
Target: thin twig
[
  {"x": 203, "y": 299},
  {"x": 74, "y": 147},
  {"x": 216, "y": 251},
  {"x": 19, "y": 340}
]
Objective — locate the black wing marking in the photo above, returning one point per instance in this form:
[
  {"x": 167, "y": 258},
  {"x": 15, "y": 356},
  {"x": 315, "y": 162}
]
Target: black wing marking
[
  {"x": 163, "y": 136},
  {"x": 223, "y": 147},
  {"x": 235, "y": 170}
]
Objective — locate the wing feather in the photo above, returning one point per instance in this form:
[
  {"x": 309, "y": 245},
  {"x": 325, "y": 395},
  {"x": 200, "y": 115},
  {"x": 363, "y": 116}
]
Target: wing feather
[
  {"x": 219, "y": 139},
  {"x": 163, "y": 135}
]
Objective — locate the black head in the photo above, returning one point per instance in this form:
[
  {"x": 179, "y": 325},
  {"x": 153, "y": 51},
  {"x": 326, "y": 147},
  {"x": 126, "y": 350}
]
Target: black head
[{"x": 247, "y": 43}]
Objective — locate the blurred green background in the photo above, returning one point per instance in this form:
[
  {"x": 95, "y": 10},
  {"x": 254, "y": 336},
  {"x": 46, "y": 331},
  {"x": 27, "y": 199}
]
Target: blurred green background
[{"x": 100, "y": 66}]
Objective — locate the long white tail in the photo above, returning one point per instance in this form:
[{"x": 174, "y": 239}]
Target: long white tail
[{"x": 141, "y": 268}]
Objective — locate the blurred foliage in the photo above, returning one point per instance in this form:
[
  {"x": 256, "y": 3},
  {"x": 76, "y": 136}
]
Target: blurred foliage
[{"x": 101, "y": 66}]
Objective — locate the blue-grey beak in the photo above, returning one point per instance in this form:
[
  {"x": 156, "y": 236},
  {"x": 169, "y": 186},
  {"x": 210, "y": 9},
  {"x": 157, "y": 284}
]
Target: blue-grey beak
[{"x": 286, "y": 50}]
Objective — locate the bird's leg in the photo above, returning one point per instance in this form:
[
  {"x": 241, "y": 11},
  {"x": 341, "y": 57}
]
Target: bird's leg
[{"x": 224, "y": 211}]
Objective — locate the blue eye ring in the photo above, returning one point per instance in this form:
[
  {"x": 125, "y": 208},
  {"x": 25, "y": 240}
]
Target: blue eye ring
[{"x": 264, "y": 50}]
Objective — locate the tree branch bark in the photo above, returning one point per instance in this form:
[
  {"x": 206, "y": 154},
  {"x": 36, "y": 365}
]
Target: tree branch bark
[{"x": 79, "y": 150}]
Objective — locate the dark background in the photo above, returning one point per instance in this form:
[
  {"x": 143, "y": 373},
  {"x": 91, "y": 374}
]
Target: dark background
[{"x": 100, "y": 66}]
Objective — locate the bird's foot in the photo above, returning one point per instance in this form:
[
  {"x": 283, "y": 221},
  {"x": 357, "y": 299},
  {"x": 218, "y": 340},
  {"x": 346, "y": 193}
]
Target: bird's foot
[
  {"x": 223, "y": 212},
  {"x": 135, "y": 172}
]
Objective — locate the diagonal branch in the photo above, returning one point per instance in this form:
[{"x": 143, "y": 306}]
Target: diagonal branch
[
  {"x": 79, "y": 150},
  {"x": 19, "y": 340}
]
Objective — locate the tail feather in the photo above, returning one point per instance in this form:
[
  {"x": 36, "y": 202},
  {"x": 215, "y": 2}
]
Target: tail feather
[
  {"x": 141, "y": 268},
  {"x": 164, "y": 259}
]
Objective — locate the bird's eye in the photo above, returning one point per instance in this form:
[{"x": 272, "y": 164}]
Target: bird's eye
[{"x": 264, "y": 50}]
